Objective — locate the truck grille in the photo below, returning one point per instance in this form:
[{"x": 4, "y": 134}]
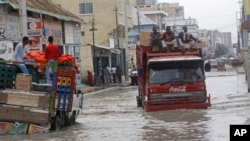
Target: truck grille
[{"x": 161, "y": 96}]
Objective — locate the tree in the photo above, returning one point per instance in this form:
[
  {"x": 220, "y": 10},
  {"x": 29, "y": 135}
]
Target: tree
[{"x": 221, "y": 50}]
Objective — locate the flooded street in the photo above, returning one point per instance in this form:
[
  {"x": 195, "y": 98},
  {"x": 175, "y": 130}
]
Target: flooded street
[{"x": 114, "y": 116}]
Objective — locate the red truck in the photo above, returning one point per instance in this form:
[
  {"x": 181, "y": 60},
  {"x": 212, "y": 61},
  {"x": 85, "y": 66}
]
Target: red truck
[{"x": 170, "y": 80}]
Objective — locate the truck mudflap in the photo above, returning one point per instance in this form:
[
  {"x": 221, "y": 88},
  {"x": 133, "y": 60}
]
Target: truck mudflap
[{"x": 178, "y": 103}]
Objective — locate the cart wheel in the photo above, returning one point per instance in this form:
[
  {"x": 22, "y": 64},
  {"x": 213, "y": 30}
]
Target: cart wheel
[
  {"x": 71, "y": 120},
  {"x": 56, "y": 124}
]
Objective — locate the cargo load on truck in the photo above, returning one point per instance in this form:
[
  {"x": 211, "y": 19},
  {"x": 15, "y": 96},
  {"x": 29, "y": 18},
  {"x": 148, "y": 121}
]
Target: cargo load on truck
[{"x": 170, "y": 79}]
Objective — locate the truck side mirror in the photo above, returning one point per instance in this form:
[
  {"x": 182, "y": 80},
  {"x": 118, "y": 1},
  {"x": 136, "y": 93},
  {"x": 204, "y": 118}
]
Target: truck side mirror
[
  {"x": 140, "y": 71},
  {"x": 207, "y": 67}
]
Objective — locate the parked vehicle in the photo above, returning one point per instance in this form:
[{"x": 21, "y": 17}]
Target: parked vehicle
[
  {"x": 236, "y": 62},
  {"x": 213, "y": 63},
  {"x": 221, "y": 66},
  {"x": 170, "y": 80}
]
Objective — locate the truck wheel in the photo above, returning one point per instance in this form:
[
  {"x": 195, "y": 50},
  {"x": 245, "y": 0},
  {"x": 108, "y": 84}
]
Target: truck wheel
[
  {"x": 56, "y": 125},
  {"x": 73, "y": 118},
  {"x": 138, "y": 99},
  {"x": 142, "y": 103}
]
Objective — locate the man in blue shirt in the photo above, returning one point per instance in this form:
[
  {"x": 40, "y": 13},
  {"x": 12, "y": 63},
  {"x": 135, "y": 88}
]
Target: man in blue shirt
[
  {"x": 18, "y": 54},
  {"x": 186, "y": 38}
]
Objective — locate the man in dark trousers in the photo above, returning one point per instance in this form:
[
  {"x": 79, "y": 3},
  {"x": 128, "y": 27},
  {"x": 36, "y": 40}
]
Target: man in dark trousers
[
  {"x": 119, "y": 74},
  {"x": 52, "y": 52}
]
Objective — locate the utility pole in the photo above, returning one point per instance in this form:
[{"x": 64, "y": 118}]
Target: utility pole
[
  {"x": 117, "y": 32},
  {"x": 138, "y": 20},
  {"x": 93, "y": 29},
  {"x": 126, "y": 39},
  {"x": 23, "y": 17},
  {"x": 118, "y": 57}
]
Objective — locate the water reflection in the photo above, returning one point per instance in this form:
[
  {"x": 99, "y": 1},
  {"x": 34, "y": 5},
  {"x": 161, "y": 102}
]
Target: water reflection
[{"x": 176, "y": 125}]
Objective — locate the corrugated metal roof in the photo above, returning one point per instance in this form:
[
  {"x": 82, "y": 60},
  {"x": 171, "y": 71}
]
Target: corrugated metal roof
[
  {"x": 144, "y": 20},
  {"x": 133, "y": 33},
  {"x": 46, "y": 7}
]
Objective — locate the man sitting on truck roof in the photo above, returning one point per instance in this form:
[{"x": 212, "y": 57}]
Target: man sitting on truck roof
[
  {"x": 155, "y": 38},
  {"x": 186, "y": 38},
  {"x": 169, "y": 37}
]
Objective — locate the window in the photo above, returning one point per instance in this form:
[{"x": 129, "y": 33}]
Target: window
[
  {"x": 85, "y": 8},
  {"x": 168, "y": 72}
]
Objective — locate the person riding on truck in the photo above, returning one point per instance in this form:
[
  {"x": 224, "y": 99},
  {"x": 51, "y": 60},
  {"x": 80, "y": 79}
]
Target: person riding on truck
[
  {"x": 169, "y": 38},
  {"x": 52, "y": 52},
  {"x": 155, "y": 38},
  {"x": 18, "y": 54},
  {"x": 186, "y": 38}
]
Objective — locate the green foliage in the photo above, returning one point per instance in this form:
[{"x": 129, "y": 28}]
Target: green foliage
[{"x": 221, "y": 50}]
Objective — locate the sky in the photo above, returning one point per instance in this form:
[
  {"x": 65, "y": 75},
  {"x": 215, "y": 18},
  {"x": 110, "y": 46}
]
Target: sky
[{"x": 213, "y": 14}]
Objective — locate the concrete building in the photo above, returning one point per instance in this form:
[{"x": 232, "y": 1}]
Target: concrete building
[
  {"x": 141, "y": 23},
  {"x": 155, "y": 14},
  {"x": 41, "y": 22},
  {"x": 109, "y": 49},
  {"x": 173, "y": 9},
  {"x": 177, "y": 25},
  {"x": 203, "y": 36},
  {"x": 146, "y": 2},
  {"x": 212, "y": 40},
  {"x": 145, "y": 23},
  {"x": 225, "y": 39}
]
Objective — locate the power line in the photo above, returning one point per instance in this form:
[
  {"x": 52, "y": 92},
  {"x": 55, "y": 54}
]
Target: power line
[
  {"x": 217, "y": 16},
  {"x": 117, "y": 32}
]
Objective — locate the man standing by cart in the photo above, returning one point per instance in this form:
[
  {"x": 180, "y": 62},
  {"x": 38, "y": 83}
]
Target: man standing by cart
[
  {"x": 52, "y": 52},
  {"x": 18, "y": 54}
]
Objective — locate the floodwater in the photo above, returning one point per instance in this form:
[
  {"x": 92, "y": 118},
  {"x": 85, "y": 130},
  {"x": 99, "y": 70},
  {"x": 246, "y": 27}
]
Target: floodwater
[{"x": 114, "y": 116}]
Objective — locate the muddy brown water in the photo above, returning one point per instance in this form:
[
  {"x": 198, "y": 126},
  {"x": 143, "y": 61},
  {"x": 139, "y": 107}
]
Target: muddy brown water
[{"x": 113, "y": 116}]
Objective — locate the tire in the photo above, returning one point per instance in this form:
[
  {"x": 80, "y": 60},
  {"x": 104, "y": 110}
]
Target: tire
[
  {"x": 139, "y": 104},
  {"x": 73, "y": 118},
  {"x": 56, "y": 125},
  {"x": 138, "y": 99}
]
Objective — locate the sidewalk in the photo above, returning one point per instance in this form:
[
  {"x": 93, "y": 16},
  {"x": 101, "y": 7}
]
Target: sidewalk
[{"x": 88, "y": 89}]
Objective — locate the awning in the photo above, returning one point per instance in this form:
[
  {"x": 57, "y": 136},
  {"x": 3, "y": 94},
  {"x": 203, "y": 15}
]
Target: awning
[
  {"x": 113, "y": 50},
  {"x": 40, "y": 11}
]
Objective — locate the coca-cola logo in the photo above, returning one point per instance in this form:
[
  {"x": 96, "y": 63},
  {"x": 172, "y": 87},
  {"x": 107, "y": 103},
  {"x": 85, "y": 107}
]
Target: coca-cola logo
[{"x": 177, "y": 89}]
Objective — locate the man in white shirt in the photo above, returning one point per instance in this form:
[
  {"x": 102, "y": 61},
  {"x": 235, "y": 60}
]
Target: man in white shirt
[
  {"x": 18, "y": 54},
  {"x": 113, "y": 71}
]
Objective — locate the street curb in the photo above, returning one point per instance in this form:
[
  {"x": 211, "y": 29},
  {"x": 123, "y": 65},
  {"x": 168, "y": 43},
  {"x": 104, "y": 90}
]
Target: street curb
[{"x": 110, "y": 89}]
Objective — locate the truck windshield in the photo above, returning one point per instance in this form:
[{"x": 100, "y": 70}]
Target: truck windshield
[{"x": 165, "y": 72}]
